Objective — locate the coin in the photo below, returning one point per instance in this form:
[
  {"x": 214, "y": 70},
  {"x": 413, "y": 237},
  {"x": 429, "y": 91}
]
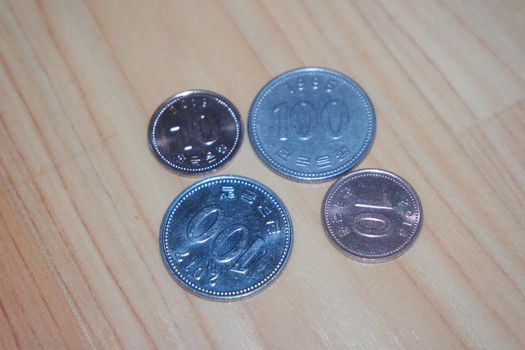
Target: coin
[
  {"x": 372, "y": 215},
  {"x": 195, "y": 132},
  {"x": 226, "y": 237},
  {"x": 311, "y": 124}
]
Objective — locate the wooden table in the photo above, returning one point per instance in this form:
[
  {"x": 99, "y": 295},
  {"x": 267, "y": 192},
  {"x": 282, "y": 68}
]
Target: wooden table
[{"x": 82, "y": 197}]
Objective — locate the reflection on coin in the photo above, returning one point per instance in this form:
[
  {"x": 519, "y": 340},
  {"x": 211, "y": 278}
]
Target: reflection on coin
[
  {"x": 311, "y": 124},
  {"x": 372, "y": 215},
  {"x": 195, "y": 131},
  {"x": 226, "y": 237}
]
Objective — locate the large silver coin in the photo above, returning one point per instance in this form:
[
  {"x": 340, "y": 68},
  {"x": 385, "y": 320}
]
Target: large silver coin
[
  {"x": 372, "y": 215},
  {"x": 226, "y": 237},
  {"x": 195, "y": 132},
  {"x": 311, "y": 124}
]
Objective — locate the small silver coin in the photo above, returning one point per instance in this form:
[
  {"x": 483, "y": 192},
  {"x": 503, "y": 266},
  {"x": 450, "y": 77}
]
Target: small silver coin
[
  {"x": 311, "y": 124},
  {"x": 372, "y": 215},
  {"x": 226, "y": 237},
  {"x": 195, "y": 132}
]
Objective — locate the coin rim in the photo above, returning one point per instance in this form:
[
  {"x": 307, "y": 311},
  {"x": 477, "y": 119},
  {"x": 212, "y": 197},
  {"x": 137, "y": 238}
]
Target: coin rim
[
  {"x": 233, "y": 112},
  {"x": 270, "y": 278},
  {"x": 370, "y": 259},
  {"x": 299, "y": 176}
]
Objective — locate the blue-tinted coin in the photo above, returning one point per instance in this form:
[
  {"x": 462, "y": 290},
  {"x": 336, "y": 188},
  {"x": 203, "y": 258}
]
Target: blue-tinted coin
[
  {"x": 226, "y": 237},
  {"x": 311, "y": 124}
]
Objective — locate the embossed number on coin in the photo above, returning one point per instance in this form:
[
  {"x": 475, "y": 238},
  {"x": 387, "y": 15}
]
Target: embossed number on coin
[
  {"x": 195, "y": 132},
  {"x": 372, "y": 215},
  {"x": 311, "y": 124},
  {"x": 226, "y": 237}
]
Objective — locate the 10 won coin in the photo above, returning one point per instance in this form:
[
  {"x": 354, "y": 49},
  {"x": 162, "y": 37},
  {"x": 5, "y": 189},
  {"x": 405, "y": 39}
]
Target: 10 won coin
[
  {"x": 372, "y": 215},
  {"x": 195, "y": 132}
]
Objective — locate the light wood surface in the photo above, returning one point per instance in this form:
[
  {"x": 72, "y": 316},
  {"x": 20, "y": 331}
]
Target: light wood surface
[{"x": 82, "y": 197}]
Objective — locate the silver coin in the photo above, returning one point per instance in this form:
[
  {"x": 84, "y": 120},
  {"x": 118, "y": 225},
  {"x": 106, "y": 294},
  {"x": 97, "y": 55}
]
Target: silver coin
[
  {"x": 311, "y": 124},
  {"x": 226, "y": 237},
  {"x": 195, "y": 132},
  {"x": 372, "y": 215}
]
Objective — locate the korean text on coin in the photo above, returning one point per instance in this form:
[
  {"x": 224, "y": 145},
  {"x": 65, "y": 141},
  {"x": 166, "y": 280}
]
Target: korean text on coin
[
  {"x": 195, "y": 132},
  {"x": 372, "y": 215},
  {"x": 226, "y": 237},
  {"x": 311, "y": 124}
]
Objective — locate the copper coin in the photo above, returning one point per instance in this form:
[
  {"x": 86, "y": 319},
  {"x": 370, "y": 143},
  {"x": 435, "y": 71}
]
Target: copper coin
[{"x": 372, "y": 215}]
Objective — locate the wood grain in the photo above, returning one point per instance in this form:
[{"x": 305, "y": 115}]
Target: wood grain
[{"x": 82, "y": 197}]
